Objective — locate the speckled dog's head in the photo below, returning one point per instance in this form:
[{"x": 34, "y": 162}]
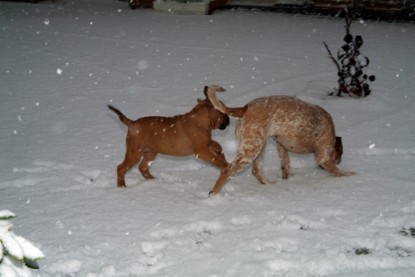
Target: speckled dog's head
[{"x": 338, "y": 151}]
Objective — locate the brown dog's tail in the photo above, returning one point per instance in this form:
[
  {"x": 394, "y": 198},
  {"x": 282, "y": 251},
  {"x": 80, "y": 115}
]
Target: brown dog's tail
[
  {"x": 210, "y": 92},
  {"x": 122, "y": 117}
]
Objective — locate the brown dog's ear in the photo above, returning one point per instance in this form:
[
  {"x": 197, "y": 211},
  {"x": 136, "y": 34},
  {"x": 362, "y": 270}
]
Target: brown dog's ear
[{"x": 205, "y": 90}]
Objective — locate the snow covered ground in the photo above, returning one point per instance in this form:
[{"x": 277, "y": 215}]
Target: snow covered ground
[{"x": 63, "y": 62}]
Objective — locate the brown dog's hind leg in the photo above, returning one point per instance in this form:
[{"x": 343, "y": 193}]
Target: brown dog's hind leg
[
  {"x": 131, "y": 159},
  {"x": 121, "y": 171},
  {"x": 145, "y": 164},
  {"x": 284, "y": 160}
]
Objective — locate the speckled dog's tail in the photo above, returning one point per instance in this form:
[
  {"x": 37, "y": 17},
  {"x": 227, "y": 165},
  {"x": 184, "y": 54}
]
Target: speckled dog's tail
[
  {"x": 210, "y": 92},
  {"x": 122, "y": 117}
]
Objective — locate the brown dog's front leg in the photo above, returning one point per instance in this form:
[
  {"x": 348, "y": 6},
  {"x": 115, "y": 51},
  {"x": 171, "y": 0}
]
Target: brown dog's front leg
[
  {"x": 215, "y": 147},
  {"x": 212, "y": 154},
  {"x": 215, "y": 159},
  {"x": 224, "y": 176}
]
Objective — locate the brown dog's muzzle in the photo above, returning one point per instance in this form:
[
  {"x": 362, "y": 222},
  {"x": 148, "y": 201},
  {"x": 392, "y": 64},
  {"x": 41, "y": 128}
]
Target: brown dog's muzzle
[{"x": 225, "y": 122}]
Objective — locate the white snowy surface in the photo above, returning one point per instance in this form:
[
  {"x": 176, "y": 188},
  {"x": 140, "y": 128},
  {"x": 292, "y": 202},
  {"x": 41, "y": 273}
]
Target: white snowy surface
[{"x": 63, "y": 62}]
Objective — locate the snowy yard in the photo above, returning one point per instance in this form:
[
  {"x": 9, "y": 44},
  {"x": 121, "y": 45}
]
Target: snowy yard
[{"x": 63, "y": 62}]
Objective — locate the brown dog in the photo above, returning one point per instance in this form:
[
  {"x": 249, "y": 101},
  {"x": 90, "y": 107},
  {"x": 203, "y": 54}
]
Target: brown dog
[
  {"x": 180, "y": 135},
  {"x": 296, "y": 126}
]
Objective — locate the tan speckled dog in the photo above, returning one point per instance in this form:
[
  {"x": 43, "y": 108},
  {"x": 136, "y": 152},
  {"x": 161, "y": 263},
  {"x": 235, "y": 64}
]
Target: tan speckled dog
[
  {"x": 296, "y": 126},
  {"x": 180, "y": 135}
]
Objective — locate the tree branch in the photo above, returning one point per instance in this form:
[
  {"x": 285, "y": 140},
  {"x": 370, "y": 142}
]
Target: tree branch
[{"x": 332, "y": 57}]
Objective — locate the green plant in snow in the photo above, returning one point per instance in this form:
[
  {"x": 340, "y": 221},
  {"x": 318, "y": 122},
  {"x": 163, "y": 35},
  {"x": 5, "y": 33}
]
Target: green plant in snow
[{"x": 17, "y": 254}]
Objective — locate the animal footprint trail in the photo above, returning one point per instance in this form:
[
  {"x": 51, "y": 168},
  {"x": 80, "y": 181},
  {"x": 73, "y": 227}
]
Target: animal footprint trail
[
  {"x": 49, "y": 172},
  {"x": 165, "y": 243},
  {"x": 373, "y": 150}
]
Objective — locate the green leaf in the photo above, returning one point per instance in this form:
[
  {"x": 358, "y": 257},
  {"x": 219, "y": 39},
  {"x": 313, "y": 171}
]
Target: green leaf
[{"x": 6, "y": 215}]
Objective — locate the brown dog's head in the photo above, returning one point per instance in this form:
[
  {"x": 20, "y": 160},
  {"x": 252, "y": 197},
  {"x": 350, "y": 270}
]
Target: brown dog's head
[
  {"x": 218, "y": 119},
  {"x": 338, "y": 150}
]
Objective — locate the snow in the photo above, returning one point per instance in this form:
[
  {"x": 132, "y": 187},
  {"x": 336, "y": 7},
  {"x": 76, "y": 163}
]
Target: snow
[{"x": 63, "y": 62}]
